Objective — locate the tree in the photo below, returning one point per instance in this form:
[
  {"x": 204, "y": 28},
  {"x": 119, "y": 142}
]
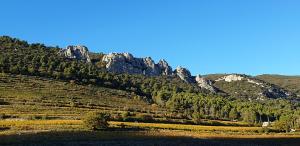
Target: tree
[
  {"x": 197, "y": 117},
  {"x": 249, "y": 116},
  {"x": 233, "y": 114},
  {"x": 286, "y": 123},
  {"x": 96, "y": 120}
]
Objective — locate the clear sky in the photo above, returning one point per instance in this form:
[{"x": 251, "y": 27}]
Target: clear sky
[{"x": 206, "y": 36}]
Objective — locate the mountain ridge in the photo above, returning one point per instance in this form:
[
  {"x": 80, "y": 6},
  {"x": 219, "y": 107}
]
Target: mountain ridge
[{"x": 126, "y": 63}]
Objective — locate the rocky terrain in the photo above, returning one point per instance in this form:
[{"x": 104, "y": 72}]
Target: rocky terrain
[
  {"x": 76, "y": 52},
  {"x": 126, "y": 63},
  {"x": 234, "y": 85},
  {"x": 253, "y": 88}
]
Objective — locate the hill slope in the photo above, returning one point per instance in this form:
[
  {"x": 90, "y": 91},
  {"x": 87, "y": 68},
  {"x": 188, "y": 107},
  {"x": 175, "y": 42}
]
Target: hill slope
[
  {"x": 38, "y": 76},
  {"x": 291, "y": 83}
]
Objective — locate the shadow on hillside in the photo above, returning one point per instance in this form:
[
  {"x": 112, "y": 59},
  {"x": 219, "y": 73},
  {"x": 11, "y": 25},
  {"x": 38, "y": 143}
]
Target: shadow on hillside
[{"x": 131, "y": 138}]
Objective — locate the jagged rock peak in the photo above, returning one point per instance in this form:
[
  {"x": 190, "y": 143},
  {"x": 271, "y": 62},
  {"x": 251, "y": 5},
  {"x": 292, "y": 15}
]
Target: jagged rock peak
[
  {"x": 206, "y": 84},
  {"x": 166, "y": 69},
  {"x": 76, "y": 52},
  {"x": 126, "y": 63},
  {"x": 184, "y": 74},
  {"x": 118, "y": 57}
]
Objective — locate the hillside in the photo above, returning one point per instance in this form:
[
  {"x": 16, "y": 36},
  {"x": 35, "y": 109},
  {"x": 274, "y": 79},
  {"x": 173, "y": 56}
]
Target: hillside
[
  {"x": 290, "y": 83},
  {"x": 35, "y": 77}
]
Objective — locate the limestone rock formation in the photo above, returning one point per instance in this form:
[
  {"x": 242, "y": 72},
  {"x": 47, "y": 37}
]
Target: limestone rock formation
[
  {"x": 165, "y": 68},
  {"x": 206, "y": 84},
  {"x": 231, "y": 78},
  {"x": 76, "y": 52},
  {"x": 184, "y": 74},
  {"x": 126, "y": 63}
]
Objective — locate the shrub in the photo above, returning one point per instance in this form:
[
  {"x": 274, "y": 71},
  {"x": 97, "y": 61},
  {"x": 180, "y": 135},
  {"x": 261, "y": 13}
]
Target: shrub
[
  {"x": 125, "y": 115},
  {"x": 144, "y": 118},
  {"x": 197, "y": 118},
  {"x": 2, "y": 116},
  {"x": 96, "y": 120},
  {"x": 30, "y": 117},
  {"x": 117, "y": 117}
]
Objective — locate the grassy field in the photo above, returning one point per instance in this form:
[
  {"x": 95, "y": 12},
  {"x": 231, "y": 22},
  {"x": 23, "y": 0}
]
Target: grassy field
[
  {"x": 72, "y": 132},
  {"x": 42, "y": 111},
  {"x": 9, "y": 126}
]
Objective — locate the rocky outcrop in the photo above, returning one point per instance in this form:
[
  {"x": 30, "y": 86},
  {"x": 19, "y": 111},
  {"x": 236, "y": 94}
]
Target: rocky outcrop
[
  {"x": 231, "y": 78},
  {"x": 266, "y": 89},
  {"x": 126, "y": 63},
  {"x": 206, "y": 84},
  {"x": 165, "y": 68},
  {"x": 76, "y": 52},
  {"x": 184, "y": 74},
  {"x": 275, "y": 92}
]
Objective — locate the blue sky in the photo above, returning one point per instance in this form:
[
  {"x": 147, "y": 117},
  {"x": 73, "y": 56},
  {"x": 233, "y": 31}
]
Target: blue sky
[{"x": 206, "y": 36}]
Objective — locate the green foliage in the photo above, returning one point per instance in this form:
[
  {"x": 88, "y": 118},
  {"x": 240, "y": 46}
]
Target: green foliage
[
  {"x": 20, "y": 58},
  {"x": 233, "y": 114},
  {"x": 285, "y": 123},
  {"x": 96, "y": 120},
  {"x": 288, "y": 122},
  {"x": 125, "y": 115},
  {"x": 2, "y": 116},
  {"x": 197, "y": 117},
  {"x": 288, "y": 82},
  {"x": 144, "y": 118},
  {"x": 249, "y": 116}
]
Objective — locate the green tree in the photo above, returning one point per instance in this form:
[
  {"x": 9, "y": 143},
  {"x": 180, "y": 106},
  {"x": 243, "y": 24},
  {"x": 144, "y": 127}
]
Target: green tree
[
  {"x": 96, "y": 120},
  {"x": 197, "y": 117},
  {"x": 233, "y": 114}
]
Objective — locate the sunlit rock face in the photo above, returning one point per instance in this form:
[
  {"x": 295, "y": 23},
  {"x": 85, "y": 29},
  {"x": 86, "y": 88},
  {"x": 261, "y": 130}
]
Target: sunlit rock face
[
  {"x": 165, "y": 68},
  {"x": 231, "y": 78},
  {"x": 184, "y": 74},
  {"x": 206, "y": 84},
  {"x": 126, "y": 63},
  {"x": 76, "y": 52}
]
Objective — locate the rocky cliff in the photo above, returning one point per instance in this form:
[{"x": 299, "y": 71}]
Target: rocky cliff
[
  {"x": 184, "y": 74},
  {"x": 206, "y": 84},
  {"x": 126, "y": 63},
  {"x": 234, "y": 85},
  {"x": 76, "y": 52}
]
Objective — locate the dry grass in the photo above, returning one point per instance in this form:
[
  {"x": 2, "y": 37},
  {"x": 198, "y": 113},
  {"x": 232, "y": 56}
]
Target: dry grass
[
  {"x": 39, "y": 122},
  {"x": 188, "y": 127},
  {"x": 152, "y": 129}
]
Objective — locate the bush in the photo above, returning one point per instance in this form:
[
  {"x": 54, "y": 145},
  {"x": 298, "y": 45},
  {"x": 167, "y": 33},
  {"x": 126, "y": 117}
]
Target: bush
[
  {"x": 197, "y": 118},
  {"x": 125, "y": 115},
  {"x": 31, "y": 117},
  {"x": 2, "y": 116},
  {"x": 144, "y": 118},
  {"x": 96, "y": 120}
]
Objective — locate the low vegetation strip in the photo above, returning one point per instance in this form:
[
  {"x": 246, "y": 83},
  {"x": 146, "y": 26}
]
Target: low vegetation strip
[
  {"x": 187, "y": 127},
  {"x": 4, "y": 123}
]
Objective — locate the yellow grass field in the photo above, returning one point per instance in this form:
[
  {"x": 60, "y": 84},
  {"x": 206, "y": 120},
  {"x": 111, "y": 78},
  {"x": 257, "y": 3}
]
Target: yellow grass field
[
  {"x": 188, "y": 127},
  {"x": 165, "y": 129}
]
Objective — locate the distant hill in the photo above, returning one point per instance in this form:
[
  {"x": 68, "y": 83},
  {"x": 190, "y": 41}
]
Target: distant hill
[
  {"x": 291, "y": 83},
  {"x": 248, "y": 87}
]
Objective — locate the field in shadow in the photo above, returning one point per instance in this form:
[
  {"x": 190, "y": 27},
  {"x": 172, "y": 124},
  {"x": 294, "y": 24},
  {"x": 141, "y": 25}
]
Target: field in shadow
[{"x": 132, "y": 138}]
